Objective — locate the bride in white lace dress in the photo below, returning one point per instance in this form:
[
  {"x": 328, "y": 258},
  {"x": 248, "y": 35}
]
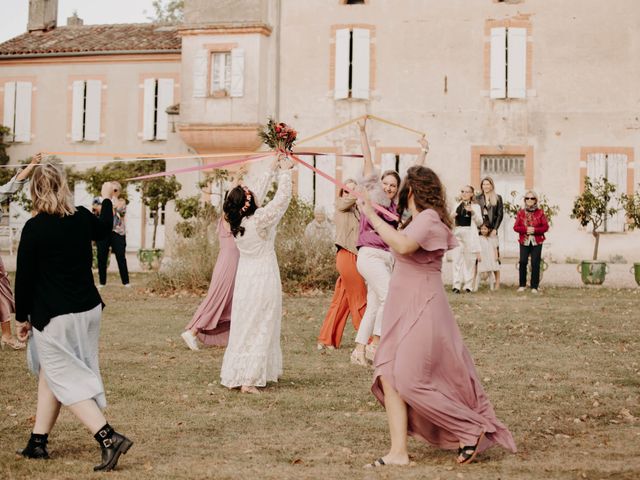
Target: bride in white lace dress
[{"x": 253, "y": 356}]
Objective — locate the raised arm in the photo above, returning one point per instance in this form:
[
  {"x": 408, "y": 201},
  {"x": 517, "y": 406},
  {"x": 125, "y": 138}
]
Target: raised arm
[
  {"x": 101, "y": 226},
  {"x": 270, "y": 215},
  {"x": 366, "y": 151},
  {"x": 263, "y": 182},
  {"x": 424, "y": 149},
  {"x": 16, "y": 183}
]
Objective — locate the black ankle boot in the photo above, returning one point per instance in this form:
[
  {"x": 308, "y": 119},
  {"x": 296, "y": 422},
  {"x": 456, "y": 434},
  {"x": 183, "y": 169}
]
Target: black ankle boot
[
  {"x": 113, "y": 445},
  {"x": 36, "y": 447}
]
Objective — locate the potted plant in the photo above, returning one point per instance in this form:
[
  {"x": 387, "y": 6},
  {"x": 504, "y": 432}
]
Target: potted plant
[
  {"x": 156, "y": 193},
  {"x": 631, "y": 206},
  {"x": 592, "y": 207},
  {"x": 511, "y": 207}
]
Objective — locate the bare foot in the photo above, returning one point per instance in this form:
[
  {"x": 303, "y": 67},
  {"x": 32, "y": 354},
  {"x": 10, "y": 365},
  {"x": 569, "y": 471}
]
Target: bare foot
[
  {"x": 389, "y": 459},
  {"x": 249, "y": 389}
]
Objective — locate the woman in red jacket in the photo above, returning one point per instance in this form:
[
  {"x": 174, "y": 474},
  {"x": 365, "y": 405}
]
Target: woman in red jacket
[{"x": 531, "y": 224}]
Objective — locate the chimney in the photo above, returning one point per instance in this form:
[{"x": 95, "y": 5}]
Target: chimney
[
  {"x": 43, "y": 15},
  {"x": 74, "y": 20}
]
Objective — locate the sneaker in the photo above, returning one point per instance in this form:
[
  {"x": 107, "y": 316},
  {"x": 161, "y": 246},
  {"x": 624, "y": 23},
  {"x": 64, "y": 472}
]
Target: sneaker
[
  {"x": 534, "y": 290},
  {"x": 467, "y": 290},
  {"x": 190, "y": 340},
  {"x": 126, "y": 285},
  {"x": 521, "y": 289},
  {"x": 100, "y": 286},
  {"x": 455, "y": 290}
]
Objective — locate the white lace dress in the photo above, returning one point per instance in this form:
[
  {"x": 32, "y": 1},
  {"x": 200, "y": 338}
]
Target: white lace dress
[{"x": 253, "y": 356}]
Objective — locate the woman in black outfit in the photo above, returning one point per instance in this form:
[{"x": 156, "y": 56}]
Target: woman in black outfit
[
  {"x": 58, "y": 309},
  {"x": 492, "y": 213}
]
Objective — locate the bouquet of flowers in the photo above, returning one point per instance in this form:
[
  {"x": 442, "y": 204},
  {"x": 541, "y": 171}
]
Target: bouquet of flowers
[{"x": 278, "y": 135}]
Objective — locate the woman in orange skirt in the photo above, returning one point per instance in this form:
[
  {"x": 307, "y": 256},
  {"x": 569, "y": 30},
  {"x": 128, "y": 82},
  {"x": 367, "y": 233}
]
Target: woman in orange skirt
[{"x": 350, "y": 295}]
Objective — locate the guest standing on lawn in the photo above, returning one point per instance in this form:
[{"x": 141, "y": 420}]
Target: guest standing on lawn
[
  {"x": 253, "y": 356},
  {"x": 492, "y": 209},
  {"x": 531, "y": 223},
  {"x": 116, "y": 241},
  {"x": 57, "y": 301},
  {"x": 467, "y": 218},
  {"x": 424, "y": 375},
  {"x": 350, "y": 293},
  {"x": 211, "y": 322},
  {"x": 7, "y": 303}
]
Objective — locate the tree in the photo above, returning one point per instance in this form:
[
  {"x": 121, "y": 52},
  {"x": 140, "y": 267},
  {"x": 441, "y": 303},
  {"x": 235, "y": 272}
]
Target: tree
[
  {"x": 592, "y": 207},
  {"x": 631, "y": 205},
  {"x": 167, "y": 12}
]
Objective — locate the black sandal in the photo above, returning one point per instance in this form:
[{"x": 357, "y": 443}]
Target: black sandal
[
  {"x": 469, "y": 452},
  {"x": 378, "y": 463}
]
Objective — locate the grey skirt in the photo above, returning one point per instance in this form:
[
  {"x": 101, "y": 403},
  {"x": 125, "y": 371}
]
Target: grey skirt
[{"x": 66, "y": 352}]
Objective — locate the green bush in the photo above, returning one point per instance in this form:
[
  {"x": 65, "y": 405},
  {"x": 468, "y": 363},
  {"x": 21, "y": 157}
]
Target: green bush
[{"x": 304, "y": 265}]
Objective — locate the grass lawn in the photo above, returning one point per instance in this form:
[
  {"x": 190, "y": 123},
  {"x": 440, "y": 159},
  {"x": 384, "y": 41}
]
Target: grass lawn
[{"x": 562, "y": 370}]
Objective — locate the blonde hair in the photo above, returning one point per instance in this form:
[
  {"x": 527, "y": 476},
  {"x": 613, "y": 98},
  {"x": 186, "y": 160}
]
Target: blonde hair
[
  {"x": 50, "y": 192},
  {"x": 490, "y": 198}
]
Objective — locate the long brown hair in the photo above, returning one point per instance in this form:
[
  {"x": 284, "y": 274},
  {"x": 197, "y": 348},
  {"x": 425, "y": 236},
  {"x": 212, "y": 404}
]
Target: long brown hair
[
  {"x": 50, "y": 192},
  {"x": 491, "y": 198},
  {"x": 428, "y": 192}
]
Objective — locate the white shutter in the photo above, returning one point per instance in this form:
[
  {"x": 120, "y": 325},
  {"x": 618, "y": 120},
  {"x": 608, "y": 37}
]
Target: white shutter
[
  {"x": 92, "y": 115},
  {"x": 517, "y": 63},
  {"x": 149, "y": 107},
  {"x": 23, "y": 112},
  {"x": 237, "y": 72},
  {"x": 407, "y": 161},
  {"x": 341, "y": 86},
  {"x": 165, "y": 100},
  {"x": 596, "y": 166},
  {"x": 200, "y": 74},
  {"x": 617, "y": 174},
  {"x": 305, "y": 180},
  {"x": 9, "y": 107},
  {"x": 388, "y": 162},
  {"x": 77, "y": 111},
  {"x": 361, "y": 64},
  {"x": 498, "y": 62},
  {"x": 326, "y": 190}
]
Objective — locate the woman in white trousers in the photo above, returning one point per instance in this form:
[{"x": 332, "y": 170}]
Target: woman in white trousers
[{"x": 467, "y": 218}]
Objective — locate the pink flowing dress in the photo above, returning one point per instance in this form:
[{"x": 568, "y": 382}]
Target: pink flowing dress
[
  {"x": 213, "y": 317},
  {"x": 422, "y": 354}
]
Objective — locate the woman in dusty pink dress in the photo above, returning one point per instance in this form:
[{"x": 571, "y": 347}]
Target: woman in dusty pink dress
[
  {"x": 424, "y": 374},
  {"x": 211, "y": 322}
]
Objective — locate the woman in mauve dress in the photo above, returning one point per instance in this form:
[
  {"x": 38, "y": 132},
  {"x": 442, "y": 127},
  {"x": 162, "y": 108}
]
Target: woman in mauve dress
[
  {"x": 424, "y": 374},
  {"x": 211, "y": 322}
]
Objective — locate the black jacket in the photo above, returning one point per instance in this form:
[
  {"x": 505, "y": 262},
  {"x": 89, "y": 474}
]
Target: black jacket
[
  {"x": 491, "y": 214},
  {"x": 53, "y": 274}
]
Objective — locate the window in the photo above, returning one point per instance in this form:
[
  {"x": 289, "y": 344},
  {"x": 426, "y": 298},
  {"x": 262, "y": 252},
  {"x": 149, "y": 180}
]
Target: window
[
  {"x": 85, "y": 116},
  {"x": 508, "y": 62},
  {"x": 17, "y": 111},
  {"x": 613, "y": 167},
  {"x": 352, "y": 63},
  {"x": 219, "y": 73},
  {"x": 399, "y": 162},
  {"x": 158, "y": 96},
  {"x": 315, "y": 189}
]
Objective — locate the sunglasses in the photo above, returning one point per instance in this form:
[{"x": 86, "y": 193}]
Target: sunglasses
[
  {"x": 530, "y": 198},
  {"x": 465, "y": 191}
]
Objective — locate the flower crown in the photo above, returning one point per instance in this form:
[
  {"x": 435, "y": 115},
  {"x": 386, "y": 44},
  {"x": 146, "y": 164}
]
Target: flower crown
[{"x": 247, "y": 200}]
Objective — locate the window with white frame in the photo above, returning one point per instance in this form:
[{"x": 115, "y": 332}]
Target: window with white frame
[
  {"x": 158, "y": 96},
  {"x": 314, "y": 188},
  {"x": 352, "y": 63},
  {"x": 85, "y": 114},
  {"x": 399, "y": 162},
  {"x": 613, "y": 167},
  {"x": 219, "y": 73},
  {"x": 508, "y": 62},
  {"x": 17, "y": 111}
]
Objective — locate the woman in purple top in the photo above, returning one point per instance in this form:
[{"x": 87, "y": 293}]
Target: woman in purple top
[
  {"x": 424, "y": 375},
  {"x": 375, "y": 262}
]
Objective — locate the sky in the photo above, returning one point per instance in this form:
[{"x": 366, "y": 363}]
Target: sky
[{"x": 13, "y": 21}]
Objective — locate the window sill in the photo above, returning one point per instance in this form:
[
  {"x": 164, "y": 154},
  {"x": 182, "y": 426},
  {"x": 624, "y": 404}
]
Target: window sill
[{"x": 219, "y": 94}]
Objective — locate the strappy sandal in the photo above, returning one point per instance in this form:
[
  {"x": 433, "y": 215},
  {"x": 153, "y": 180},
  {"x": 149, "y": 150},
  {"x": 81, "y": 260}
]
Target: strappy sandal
[
  {"x": 377, "y": 463},
  {"x": 469, "y": 452},
  {"x": 357, "y": 358}
]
